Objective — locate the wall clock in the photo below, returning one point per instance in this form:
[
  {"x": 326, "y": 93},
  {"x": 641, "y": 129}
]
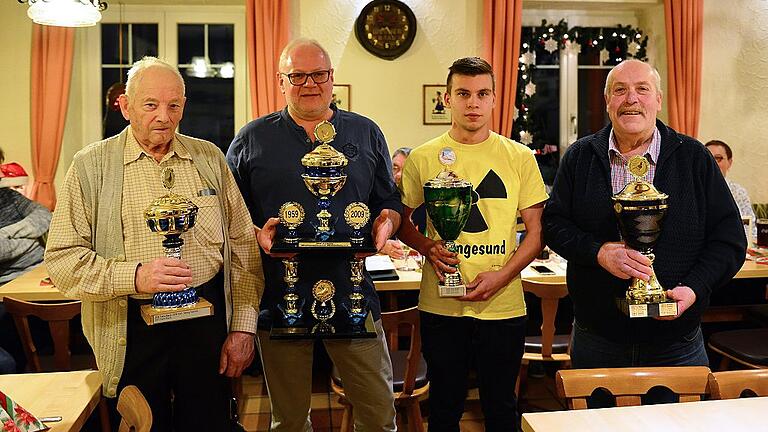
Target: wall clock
[{"x": 386, "y": 28}]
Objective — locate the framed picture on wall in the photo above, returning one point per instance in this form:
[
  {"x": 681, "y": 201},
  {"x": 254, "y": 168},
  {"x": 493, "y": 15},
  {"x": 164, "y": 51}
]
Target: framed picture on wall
[
  {"x": 435, "y": 111},
  {"x": 340, "y": 97}
]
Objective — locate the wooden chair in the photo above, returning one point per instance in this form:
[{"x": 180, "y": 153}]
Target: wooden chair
[
  {"x": 629, "y": 384},
  {"x": 733, "y": 384},
  {"x": 748, "y": 347},
  {"x": 58, "y": 316},
  {"x": 547, "y": 347},
  {"x": 134, "y": 410},
  {"x": 408, "y": 367}
]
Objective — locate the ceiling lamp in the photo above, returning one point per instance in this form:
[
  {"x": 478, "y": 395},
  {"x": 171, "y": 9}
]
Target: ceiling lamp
[{"x": 65, "y": 13}]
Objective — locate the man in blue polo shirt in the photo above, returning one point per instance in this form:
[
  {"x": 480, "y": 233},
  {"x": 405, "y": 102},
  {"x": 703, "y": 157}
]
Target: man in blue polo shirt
[{"x": 265, "y": 157}]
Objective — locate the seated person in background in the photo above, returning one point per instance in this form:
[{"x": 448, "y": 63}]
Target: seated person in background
[
  {"x": 724, "y": 158},
  {"x": 22, "y": 224},
  {"x": 394, "y": 248}
]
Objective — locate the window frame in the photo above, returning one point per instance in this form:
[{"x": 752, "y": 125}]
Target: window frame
[
  {"x": 569, "y": 67},
  {"x": 166, "y": 18}
]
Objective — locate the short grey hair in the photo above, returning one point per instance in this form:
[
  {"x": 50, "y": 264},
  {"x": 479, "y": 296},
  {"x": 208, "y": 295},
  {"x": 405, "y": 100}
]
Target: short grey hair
[
  {"x": 138, "y": 68},
  {"x": 297, "y": 43},
  {"x": 654, "y": 72},
  {"x": 405, "y": 151}
]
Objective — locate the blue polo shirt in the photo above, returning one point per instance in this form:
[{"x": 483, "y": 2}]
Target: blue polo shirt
[{"x": 265, "y": 158}]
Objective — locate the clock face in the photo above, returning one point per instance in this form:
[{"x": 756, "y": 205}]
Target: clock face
[{"x": 386, "y": 28}]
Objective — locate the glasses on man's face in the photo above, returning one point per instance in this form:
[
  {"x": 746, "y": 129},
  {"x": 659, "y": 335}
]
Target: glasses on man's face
[{"x": 300, "y": 78}]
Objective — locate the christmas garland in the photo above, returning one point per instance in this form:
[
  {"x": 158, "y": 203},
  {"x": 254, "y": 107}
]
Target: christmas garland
[{"x": 613, "y": 43}]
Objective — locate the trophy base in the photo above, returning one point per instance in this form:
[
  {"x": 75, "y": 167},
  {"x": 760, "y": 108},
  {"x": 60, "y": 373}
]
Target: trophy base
[
  {"x": 647, "y": 310},
  {"x": 154, "y": 316},
  {"x": 338, "y": 327},
  {"x": 451, "y": 290},
  {"x": 335, "y": 243}
]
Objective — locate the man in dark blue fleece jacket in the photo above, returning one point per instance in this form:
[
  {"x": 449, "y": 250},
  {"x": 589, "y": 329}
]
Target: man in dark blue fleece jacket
[{"x": 702, "y": 244}]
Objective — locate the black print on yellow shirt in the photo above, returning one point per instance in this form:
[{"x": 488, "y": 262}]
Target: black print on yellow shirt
[
  {"x": 467, "y": 251},
  {"x": 490, "y": 187}
]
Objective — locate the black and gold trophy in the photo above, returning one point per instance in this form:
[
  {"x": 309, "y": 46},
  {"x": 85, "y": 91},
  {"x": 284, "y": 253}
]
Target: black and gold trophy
[
  {"x": 172, "y": 215},
  {"x": 324, "y": 177},
  {"x": 448, "y": 199},
  {"x": 640, "y": 209}
]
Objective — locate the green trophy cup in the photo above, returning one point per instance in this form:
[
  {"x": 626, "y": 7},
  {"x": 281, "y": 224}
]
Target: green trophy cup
[{"x": 448, "y": 199}]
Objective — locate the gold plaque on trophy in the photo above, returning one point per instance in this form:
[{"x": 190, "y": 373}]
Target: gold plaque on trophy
[
  {"x": 291, "y": 214},
  {"x": 357, "y": 215}
]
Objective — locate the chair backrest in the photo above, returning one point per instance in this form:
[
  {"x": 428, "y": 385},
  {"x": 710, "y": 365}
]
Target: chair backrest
[
  {"x": 629, "y": 384},
  {"x": 394, "y": 323},
  {"x": 550, "y": 294},
  {"x": 134, "y": 410},
  {"x": 57, "y": 315},
  {"x": 731, "y": 384}
]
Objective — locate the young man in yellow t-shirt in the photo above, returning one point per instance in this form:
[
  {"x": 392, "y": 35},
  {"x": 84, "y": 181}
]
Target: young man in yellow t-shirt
[{"x": 487, "y": 325}]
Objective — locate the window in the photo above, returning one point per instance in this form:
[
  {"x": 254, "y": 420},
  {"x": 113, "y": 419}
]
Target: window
[
  {"x": 560, "y": 90},
  {"x": 121, "y": 45},
  {"x": 193, "y": 38},
  {"x": 206, "y": 61}
]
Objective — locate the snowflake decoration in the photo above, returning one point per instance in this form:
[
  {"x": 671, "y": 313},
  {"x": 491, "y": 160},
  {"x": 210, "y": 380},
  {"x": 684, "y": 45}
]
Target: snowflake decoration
[
  {"x": 530, "y": 89},
  {"x": 526, "y": 138},
  {"x": 574, "y": 48},
  {"x": 528, "y": 58},
  {"x": 515, "y": 112},
  {"x": 550, "y": 45},
  {"x": 604, "y": 56},
  {"x": 633, "y": 48}
]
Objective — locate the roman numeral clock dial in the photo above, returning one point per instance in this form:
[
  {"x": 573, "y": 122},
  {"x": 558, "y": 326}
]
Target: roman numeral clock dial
[{"x": 386, "y": 28}]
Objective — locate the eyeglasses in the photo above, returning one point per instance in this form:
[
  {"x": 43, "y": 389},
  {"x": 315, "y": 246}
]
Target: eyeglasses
[{"x": 300, "y": 78}]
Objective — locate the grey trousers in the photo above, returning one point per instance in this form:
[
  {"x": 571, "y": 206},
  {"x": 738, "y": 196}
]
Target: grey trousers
[{"x": 365, "y": 369}]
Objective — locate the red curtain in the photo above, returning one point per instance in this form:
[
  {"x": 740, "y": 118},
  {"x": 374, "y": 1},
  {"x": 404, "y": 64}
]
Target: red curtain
[
  {"x": 267, "y": 26},
  {"x": 685, "y": 24},
  {"x": 52, "y": 49},
  {"x": 502, "y": 25}
]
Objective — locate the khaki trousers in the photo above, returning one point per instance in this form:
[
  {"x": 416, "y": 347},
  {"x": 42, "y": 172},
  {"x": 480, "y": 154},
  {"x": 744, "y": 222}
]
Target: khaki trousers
[{"x": 365, "y": 369}]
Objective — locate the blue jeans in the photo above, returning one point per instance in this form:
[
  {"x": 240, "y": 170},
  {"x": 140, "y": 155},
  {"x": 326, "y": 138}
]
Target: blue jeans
[
  {"x": 450, "y": 346},
  {"x": 589, "y": 350}
]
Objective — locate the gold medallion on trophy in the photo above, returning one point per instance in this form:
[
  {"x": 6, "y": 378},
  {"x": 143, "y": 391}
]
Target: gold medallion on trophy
[
  {"x": 291, "y": 215},
  {"x": 325, "y": 132},
  {"x": 323, "y": 307}
]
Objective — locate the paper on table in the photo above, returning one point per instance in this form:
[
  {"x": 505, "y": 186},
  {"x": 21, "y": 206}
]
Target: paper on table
[
  {"x": 14, "y": 417},
  {"x": 379, "y": 263}
]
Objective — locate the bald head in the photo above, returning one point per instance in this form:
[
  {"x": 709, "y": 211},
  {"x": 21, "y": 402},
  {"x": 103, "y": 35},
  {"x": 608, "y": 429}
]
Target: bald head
[
  {"x": 632, "y": 63},
  {"x": 301, "y": 44},
  {"x": 136, "y": 73}
]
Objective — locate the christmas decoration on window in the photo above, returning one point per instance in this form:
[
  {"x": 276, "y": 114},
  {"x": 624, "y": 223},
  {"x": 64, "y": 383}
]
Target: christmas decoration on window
[{"x": 611, "y": 44}]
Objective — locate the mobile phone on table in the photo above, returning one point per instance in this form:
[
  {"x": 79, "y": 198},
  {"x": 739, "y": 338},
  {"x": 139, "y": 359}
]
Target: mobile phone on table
[{"x": 544, "y": 270}]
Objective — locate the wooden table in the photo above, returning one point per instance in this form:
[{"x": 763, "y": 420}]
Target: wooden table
[
  {"x": 71, "y": 395},
  {"x": 410, "y": 280},
  {"x": 717, "y": 415},
  {"x": 27, "y": 287}
]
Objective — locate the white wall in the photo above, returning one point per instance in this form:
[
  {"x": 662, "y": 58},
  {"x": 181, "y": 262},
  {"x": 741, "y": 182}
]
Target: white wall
[
  {"x": 734, "y": 100},
  {"x": 390, "y": 92},
  {"x": 15, "y": 42}
]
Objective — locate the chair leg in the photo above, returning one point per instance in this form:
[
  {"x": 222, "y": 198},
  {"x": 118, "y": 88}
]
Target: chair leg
[
  {"x": 415, "y": 421},
  {"x": 347, "y": 419},
  {"x": 104, "y": 415}
]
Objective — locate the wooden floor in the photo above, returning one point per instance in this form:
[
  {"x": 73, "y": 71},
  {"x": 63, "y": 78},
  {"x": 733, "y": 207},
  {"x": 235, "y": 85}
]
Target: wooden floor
[{"x": 326, "y": 411}]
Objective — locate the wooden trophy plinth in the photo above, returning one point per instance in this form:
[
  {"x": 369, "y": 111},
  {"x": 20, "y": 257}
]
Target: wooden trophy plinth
[{"x": 154, "y": 315}]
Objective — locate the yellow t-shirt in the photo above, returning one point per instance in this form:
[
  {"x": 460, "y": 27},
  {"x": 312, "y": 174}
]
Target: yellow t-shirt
[{"x": 505, "y": 178}]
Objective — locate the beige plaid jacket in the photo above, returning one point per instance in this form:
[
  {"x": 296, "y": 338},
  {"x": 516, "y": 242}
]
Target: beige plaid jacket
[{"x": 86, "y": 256}]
